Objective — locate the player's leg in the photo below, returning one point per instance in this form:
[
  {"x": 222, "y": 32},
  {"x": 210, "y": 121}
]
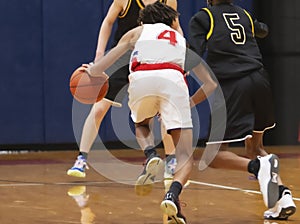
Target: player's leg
[
  {"x": 262, "y": 109},
  {"x": 184, "y": 153},
  {"x": 144, "y": 105},
  {"x": 264, "y": 119},
  {"x": 266, "y": 169},
  {"x": 92, "y": 125},
  {"x": 254, "y": 146},
  {"x": 227, "y": 160},
  {"x": 176, "y": 116},
  {"x": 285, "y": 205},
  {"x": 114, "y": 97},
  {"x": 144, "y": 134},
  {"x": 153, "y": 163},
  {"x": 89, "y": 134},
  {"x": 170, "y": 160}
]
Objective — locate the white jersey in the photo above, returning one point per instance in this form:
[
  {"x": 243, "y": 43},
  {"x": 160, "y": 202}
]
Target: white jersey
[
  {"x": 161, "y": 38},
  {"x": 156, "y": 82}
]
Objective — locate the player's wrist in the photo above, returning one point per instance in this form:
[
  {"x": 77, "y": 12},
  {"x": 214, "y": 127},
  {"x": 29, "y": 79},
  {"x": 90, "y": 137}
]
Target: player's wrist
[
  {"x": 99, "y": 54},
  {"x": 88, "y": 71}
]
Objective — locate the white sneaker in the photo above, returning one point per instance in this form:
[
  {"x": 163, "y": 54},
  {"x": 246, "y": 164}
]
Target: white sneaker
[
  {"x": 144, "y": 183},
  {"x": 268, "y": 179},
  {"x": 284, "y": 208},
  {"x": 169, "y": 173},
  {"x": 78, "y": 169}
]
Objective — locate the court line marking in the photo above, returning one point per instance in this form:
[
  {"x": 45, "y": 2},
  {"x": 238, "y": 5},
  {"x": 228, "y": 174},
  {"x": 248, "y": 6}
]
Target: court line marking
[
  {"x": 24, "y": 184},
  {"x": 229, "y": 188},
  {"x": 112, "y": 182}
]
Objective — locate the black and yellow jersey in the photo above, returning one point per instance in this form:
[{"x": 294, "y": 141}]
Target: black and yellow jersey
[
  {"x": 227, "y": 32},
  {"x": 128, "y": 18}
]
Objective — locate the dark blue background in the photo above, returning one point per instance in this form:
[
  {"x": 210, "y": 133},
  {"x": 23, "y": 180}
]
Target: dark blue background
[{"x": 42, "y": 42}]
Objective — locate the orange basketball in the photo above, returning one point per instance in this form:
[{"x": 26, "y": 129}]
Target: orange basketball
[{"x": 87, "y": 89}]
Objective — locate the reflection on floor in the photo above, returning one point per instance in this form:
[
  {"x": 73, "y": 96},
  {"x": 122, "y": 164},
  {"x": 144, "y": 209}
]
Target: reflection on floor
[{"x": 35, "y": 189}]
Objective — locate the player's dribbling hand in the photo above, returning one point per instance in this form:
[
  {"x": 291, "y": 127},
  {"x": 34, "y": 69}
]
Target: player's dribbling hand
[{"x": 86, "y": 68}]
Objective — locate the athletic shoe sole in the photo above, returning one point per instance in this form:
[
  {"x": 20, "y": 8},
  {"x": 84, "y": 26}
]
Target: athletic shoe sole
[
  {"x": 170, "y": 209},
  {"x": 143, "y": 185},
  {"x": 268, "y": 179},
  {"x": 284, "y": 208},
  {"x": 76, "y": 173}
]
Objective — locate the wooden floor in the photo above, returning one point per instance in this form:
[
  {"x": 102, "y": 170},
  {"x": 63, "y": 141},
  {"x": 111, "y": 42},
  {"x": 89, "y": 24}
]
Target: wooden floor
[{"x": 34, "y": 188}]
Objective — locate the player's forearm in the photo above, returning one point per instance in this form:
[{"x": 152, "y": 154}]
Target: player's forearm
[
  {"x": 208, "y": 86},
  {"x": 202, "y": 93},
  {"x": 103, "y": 37},
  {"x": 108, "y": 60}
]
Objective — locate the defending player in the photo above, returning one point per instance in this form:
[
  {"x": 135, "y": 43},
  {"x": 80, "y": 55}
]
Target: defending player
[{"x": 228, "y": 33}]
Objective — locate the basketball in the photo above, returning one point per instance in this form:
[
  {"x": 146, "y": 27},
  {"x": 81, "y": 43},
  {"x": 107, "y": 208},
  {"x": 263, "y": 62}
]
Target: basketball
[{"x": 87, "y": 89}]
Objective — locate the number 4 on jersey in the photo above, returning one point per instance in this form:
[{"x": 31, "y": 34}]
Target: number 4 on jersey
[{"x": 168, "y": 35}]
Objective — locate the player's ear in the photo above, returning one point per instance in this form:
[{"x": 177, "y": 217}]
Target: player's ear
[{"x": 175, "y": 24}]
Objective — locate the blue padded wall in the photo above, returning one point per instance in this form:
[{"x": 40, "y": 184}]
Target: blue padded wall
[
  {"x": 69, "y": 39},
  {"x": 21, "y": 86},
  {"x": 42, "y": 42}
]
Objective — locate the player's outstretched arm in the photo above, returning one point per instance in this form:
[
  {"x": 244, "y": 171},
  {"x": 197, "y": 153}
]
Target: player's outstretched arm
[
  {"x": 126, "y": 42},
  {"x": 204, "y": 74},
  {"x": 106, "y": 27}
]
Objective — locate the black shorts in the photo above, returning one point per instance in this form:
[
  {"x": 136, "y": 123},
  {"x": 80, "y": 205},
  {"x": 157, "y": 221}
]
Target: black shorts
[
  {"x": 118, "y": 79},
  {"x": 249, "y": 106}
]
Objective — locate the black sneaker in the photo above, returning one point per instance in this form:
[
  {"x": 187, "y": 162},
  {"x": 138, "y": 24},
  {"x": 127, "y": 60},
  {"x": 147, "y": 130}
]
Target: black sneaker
[
  {"x": 171, "y": 207},
  {"x": 154, "y": 164}
]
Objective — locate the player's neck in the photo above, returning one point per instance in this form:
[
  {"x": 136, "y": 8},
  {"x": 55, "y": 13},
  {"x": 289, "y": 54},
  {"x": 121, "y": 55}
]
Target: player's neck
[{"x": 147, "y": 2}]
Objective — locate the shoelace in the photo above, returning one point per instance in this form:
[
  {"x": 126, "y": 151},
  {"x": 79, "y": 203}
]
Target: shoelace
[{"x": 83, "y": 163}]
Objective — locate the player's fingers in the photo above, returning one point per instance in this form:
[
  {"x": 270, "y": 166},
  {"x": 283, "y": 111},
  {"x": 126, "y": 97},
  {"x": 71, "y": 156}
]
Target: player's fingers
[{"x": 83, "y": 66}]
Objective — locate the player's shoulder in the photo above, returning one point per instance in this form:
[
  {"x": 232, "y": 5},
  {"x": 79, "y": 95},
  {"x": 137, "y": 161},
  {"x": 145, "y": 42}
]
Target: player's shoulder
[
  {"x": 134, "y": 33},
  {"x": 120, "y": 3},
  {"x": 202, "y": 15},
  {"x": 171, "y": 3},
  {"x": 203, "y": 11}
]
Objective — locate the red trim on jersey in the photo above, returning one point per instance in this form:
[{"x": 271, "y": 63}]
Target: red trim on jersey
[
  {"x": 157, "y": 66},
  {"x": 136, "y": 66}
]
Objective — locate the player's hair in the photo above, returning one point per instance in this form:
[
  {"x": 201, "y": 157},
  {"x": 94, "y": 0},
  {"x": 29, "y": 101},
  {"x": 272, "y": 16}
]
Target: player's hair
[{"x": 157, "y": 13}]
